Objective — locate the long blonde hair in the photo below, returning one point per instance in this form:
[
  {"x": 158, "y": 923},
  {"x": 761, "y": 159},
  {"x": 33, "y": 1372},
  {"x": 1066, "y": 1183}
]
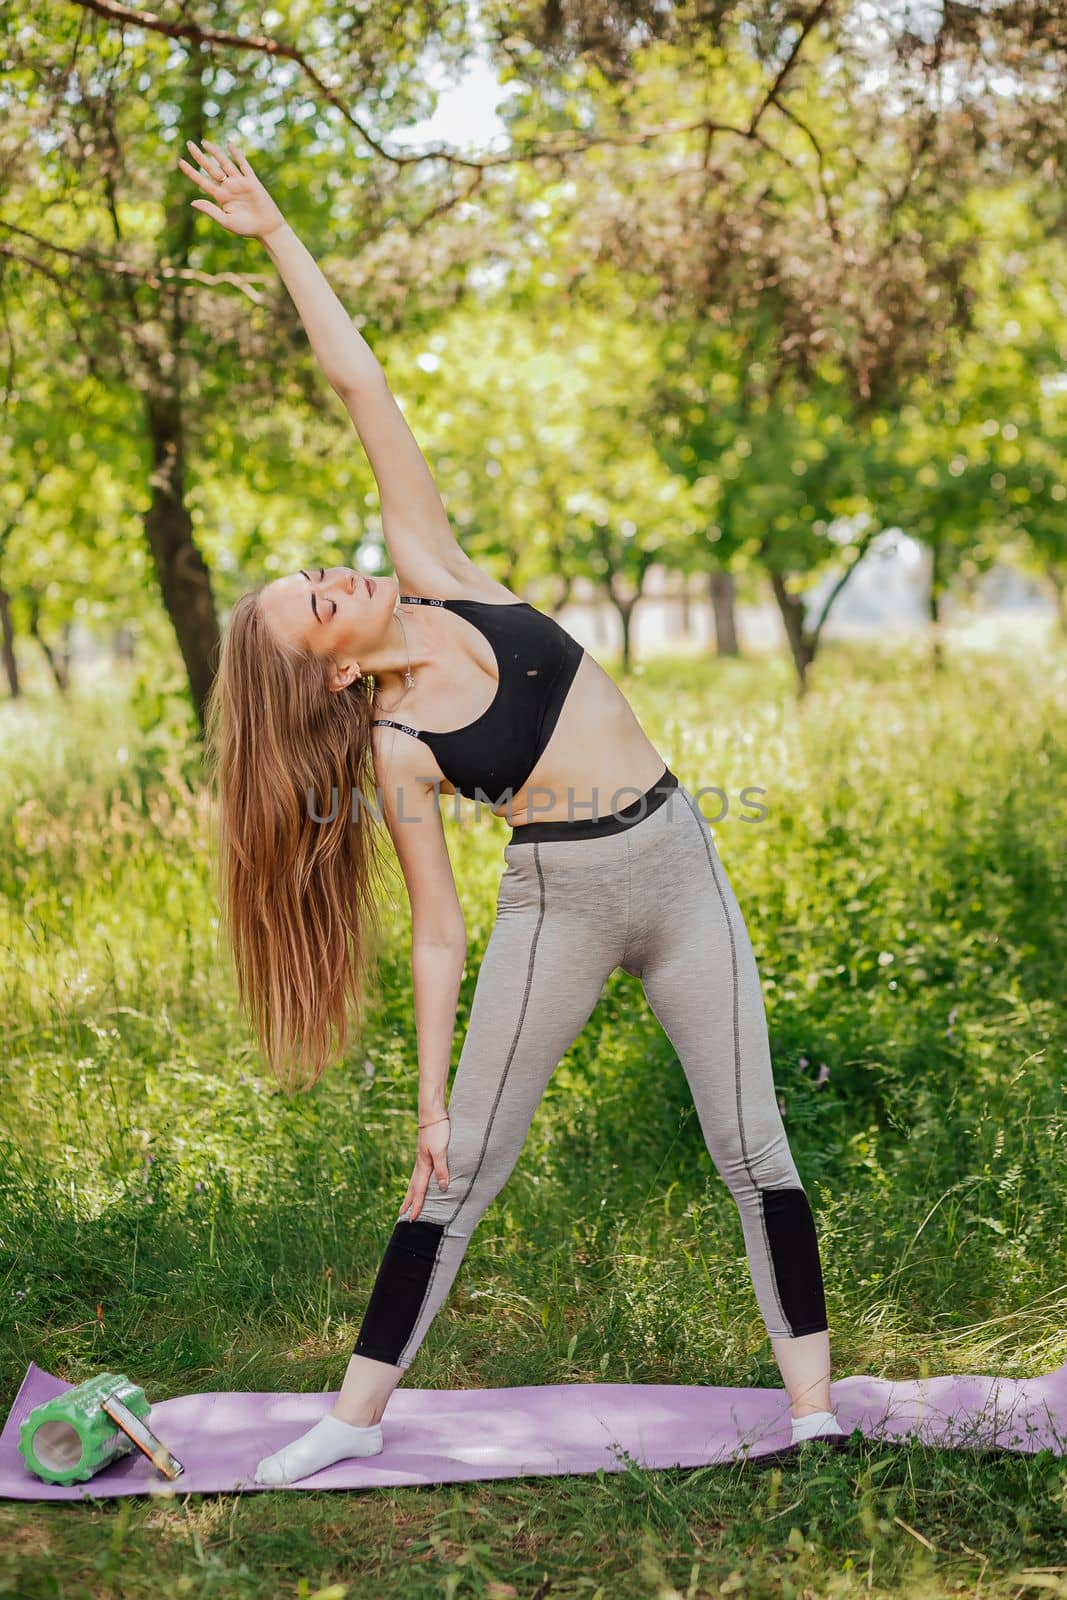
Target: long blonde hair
[{"x": 298, "y": 895}]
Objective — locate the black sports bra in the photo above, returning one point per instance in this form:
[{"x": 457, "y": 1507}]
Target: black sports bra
[{"x": 536, "y": 660}]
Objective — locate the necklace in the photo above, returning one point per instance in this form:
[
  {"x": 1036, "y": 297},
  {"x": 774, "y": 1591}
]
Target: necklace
[{"x": 409, "y": 676}]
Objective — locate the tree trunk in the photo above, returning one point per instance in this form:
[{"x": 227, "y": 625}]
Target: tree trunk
[
  {"x": 792, "y": 610},
  {"x": 58, "y": 666},
  {"x": 722, "y": 590},
  {"x": 937, "y": 591},
  {"x": 65, "y": 654},
  {"x": 564, "y": 596},
  {"x": 183, "y": 576},
  {"x": 7, "y": 647},
  {"x": 1058, "y": 579},
  {"x": 625, "y": 609}
]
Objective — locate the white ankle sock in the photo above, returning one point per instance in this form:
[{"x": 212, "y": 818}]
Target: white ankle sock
[
  {"x": 815, "y": 1423},
  {"x": 328, "y": 1441}
]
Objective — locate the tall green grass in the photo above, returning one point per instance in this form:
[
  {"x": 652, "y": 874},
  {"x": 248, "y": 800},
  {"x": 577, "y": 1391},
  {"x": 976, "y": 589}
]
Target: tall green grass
[{"x": 166, "y": 1212}]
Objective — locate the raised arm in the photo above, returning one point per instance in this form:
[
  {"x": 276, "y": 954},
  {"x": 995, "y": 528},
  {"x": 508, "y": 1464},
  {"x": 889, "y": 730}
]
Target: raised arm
[{"x": 417, "y": 532}]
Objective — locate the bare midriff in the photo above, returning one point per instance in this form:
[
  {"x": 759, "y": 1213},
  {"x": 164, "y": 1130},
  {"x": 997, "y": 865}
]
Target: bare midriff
[{"x": 598, "y": 759}]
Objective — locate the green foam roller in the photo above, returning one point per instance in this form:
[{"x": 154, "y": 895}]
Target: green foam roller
[{"x": 71, "y": 1437}]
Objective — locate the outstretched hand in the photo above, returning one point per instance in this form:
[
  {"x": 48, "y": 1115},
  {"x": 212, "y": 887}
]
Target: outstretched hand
[{"x": 241, "y": 203}]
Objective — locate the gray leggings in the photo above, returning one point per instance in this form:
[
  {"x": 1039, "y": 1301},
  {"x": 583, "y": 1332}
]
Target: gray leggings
[{"x": 575, "y": 903}]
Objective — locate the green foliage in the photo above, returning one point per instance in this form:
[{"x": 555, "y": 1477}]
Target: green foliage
[
  {"x": 163, "y": 720},
  {"x": 755, "y": 337}
]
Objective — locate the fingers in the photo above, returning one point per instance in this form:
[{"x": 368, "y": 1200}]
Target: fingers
[
  {"x": 207, "y": 184},
  {"x": 222, "y": 158},
  {"x": 211, "y": 211},
  {"x": 420, "y": 1183},
  {"x": 234, "y": 167},
  {"x": 208, "y": 163},
  {"x": 240, "y": 158},
  {"x": 409, "y": 1198},
  {"x": 440, "y": 1169}
]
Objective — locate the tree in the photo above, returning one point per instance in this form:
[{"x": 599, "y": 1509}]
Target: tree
[
  {"x": 826, "y": 230},
  {"x": 118, "y": 92}
]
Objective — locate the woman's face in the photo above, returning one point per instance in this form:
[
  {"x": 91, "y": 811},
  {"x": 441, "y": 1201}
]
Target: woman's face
[{"x": 333, "y": 612}]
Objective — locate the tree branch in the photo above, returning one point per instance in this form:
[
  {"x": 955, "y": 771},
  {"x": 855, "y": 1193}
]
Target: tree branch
[
  {"x": 153, "y": 276},
  {"x": 861, "y": 550},
  {"x": 811, "y": 21},
  {"x": 196, "y": 34}
]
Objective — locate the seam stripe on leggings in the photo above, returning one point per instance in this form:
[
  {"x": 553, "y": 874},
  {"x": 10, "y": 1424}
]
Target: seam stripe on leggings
[
  {"x": 699, "y": 819},
  {"x": 503, "y": 1076}
]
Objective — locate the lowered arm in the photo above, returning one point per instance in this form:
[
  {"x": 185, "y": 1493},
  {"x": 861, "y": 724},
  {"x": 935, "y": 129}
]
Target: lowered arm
[{"x": 438, "y": 930}]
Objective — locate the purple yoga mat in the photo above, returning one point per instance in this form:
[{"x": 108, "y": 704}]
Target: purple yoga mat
[{"x": 544, "y": 1430}]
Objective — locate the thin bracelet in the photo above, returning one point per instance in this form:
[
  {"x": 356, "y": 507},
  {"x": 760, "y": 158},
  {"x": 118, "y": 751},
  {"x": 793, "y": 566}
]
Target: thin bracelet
[{"x": 435, "y": 1121}]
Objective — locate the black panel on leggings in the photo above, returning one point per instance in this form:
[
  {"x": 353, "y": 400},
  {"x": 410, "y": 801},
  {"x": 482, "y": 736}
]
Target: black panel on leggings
[
  {"x": 399, "y": 1290},
  {"x": 794, "y": 1249}
]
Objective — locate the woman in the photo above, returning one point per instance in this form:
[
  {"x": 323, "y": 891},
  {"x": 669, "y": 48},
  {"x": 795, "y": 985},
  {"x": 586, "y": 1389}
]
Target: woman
[{"x": 452, "y": 683}]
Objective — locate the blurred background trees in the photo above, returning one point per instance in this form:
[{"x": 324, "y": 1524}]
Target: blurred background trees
[{"x": 737, "y": 292}]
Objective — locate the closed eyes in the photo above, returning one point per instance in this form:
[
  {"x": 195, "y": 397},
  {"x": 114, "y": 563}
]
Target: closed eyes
[{"x": 333, "y": 613}]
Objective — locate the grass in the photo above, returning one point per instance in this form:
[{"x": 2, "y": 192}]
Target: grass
[{"x": 166, "y": 1213}]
